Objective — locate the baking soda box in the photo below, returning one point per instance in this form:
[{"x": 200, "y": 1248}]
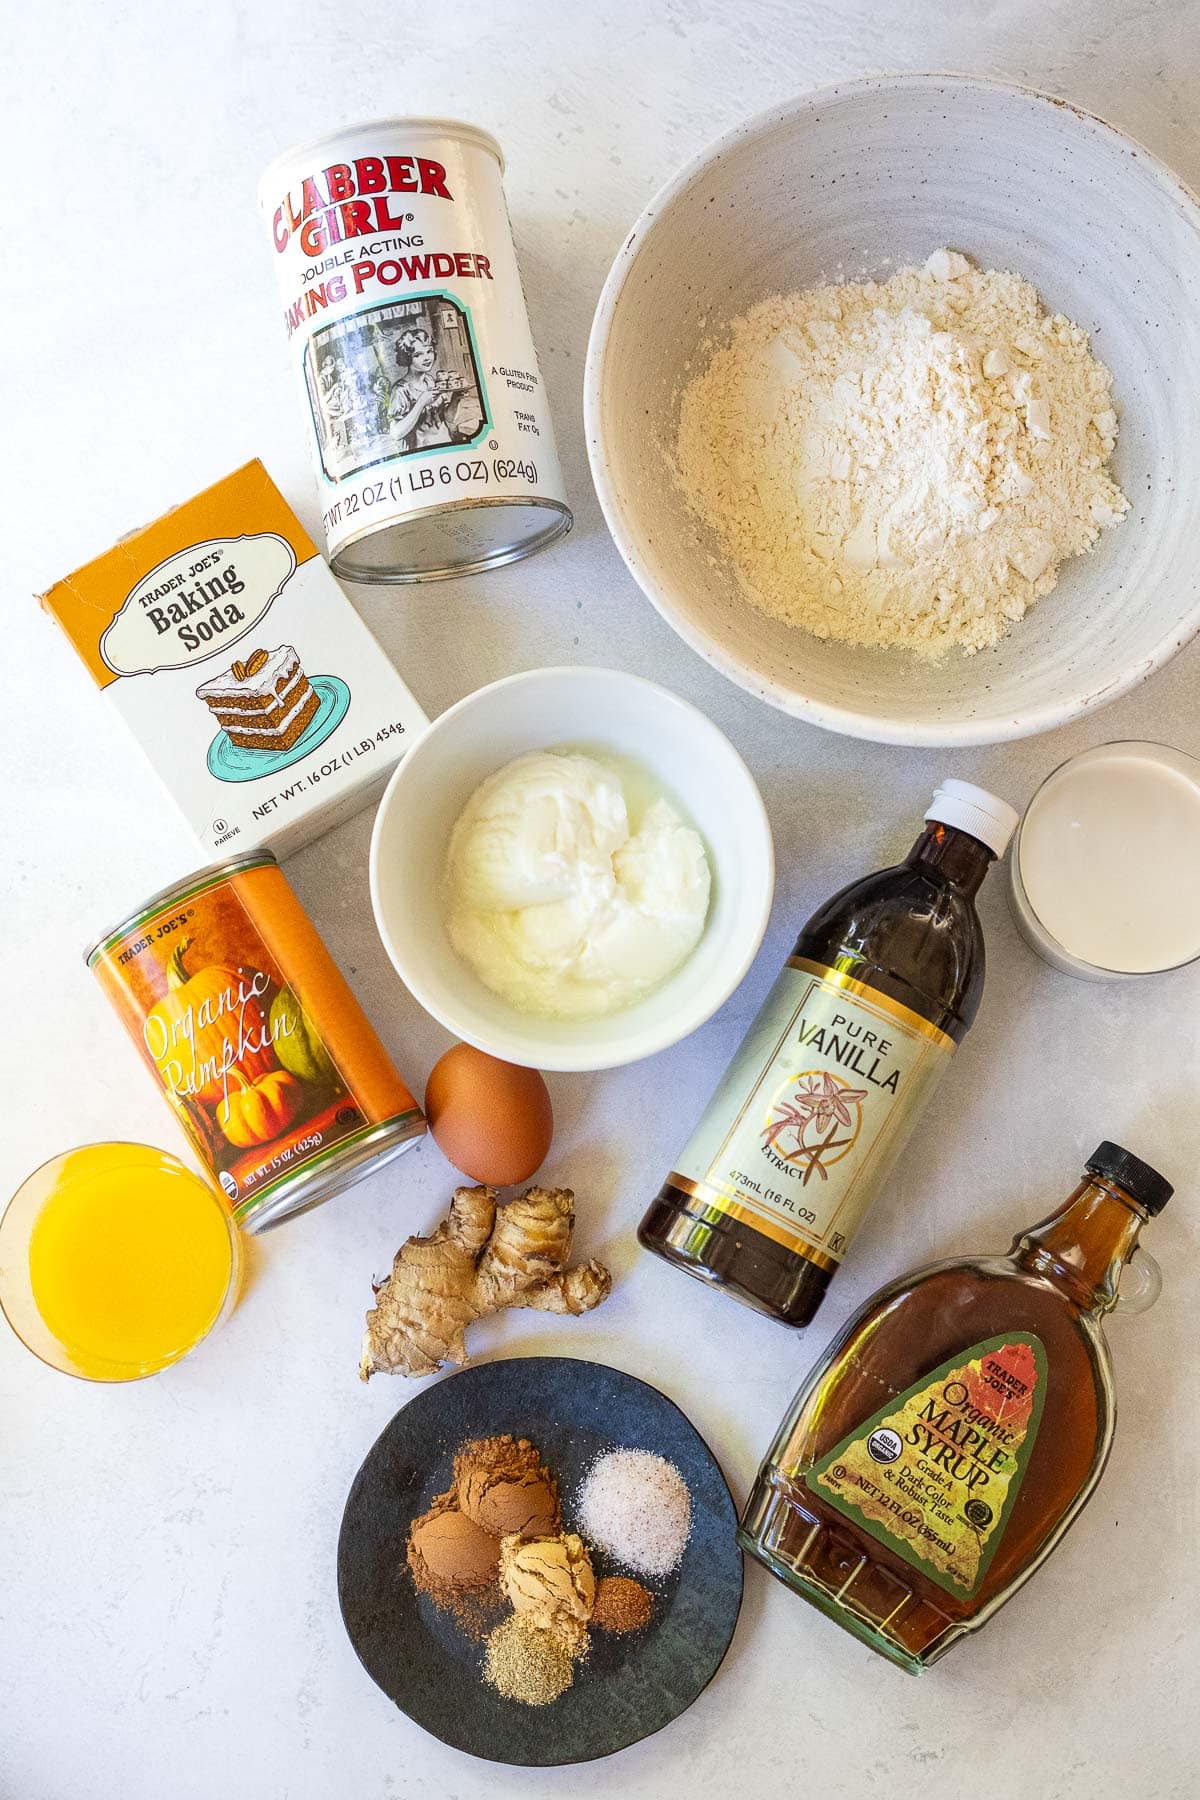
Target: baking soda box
[{"x": 257, "y": 693}]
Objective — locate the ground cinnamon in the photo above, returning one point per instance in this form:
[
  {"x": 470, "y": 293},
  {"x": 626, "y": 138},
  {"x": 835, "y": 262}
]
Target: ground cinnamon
[{"x": 465, "y": 1585}]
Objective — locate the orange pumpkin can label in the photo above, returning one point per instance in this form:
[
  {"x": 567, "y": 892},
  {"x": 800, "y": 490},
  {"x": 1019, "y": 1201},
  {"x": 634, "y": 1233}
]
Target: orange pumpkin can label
[{"x": 255, "y": 1040}]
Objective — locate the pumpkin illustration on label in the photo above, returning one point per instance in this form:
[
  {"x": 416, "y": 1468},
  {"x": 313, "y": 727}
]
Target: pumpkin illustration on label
[
  {"x": 296, "y": 1041},
  {"x": 254, "y": 1112},
  {"x": 206, "y": 1025}
]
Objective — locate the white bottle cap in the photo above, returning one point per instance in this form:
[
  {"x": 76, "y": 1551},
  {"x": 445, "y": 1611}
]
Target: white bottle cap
[{"x": 973, "y": 810}]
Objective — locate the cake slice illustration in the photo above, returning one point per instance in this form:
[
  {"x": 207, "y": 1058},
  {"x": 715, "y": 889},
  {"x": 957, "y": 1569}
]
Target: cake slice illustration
[{"x": 265, "y": 702}]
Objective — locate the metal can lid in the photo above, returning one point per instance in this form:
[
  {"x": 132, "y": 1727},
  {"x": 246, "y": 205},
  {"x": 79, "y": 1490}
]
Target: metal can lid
[
  {"x": 341, "y": 1168},
  {"x": 430, "y": 127},
  {"x": 182, "y": 889}
]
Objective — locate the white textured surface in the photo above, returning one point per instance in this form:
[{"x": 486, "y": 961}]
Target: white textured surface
[{"x": 166, "y": 1551}]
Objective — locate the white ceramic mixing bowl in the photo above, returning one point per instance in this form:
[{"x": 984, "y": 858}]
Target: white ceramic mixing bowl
[
  {"x": 856, "y": 180},
  {"x": 695, "y": 765}
]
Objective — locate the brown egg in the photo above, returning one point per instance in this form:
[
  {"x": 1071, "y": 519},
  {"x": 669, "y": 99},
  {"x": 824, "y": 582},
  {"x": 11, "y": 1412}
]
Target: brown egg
[{"x": 489, "y": 1118}]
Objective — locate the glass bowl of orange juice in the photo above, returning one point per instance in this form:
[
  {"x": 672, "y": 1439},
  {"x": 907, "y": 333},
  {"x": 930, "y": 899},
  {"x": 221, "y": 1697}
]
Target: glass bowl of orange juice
[{"x": 115, "y": 1261}]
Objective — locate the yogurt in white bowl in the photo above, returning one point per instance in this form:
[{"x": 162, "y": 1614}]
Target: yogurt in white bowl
[{"x": 630, "y": 724}]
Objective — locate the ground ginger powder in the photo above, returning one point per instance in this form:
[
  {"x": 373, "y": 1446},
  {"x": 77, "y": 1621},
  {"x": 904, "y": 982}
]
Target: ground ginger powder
[{"x": 902, "y": 464}]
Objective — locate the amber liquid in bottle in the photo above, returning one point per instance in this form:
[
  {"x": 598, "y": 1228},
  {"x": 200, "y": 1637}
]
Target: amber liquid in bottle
[
  {"x": 849, "y": 1433},
  {"x": 908, "y": 934}
]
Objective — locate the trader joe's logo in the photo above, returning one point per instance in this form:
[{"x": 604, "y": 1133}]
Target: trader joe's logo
[{"x": 814, "y": 1122}]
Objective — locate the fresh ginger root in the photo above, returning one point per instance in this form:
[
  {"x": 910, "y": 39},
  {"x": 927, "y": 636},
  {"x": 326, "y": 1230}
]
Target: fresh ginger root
[{"x": 481, "y": 1258}]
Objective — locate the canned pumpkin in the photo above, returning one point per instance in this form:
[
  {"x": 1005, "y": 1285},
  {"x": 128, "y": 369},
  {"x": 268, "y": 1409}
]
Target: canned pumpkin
[{"x": 264, "y": 1055}]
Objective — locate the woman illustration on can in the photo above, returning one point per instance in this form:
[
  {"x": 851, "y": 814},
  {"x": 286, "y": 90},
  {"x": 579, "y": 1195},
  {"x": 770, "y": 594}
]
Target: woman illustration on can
[
  {"x": 379, "y": 411},
  {"x": 337, "y": 402},
  {"x": 417, "y": 408}
]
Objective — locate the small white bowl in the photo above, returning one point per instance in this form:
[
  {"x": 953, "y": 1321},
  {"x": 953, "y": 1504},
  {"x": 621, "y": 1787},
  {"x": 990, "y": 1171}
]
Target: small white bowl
[
  {"x": 855, "y": 180},
  {"x": 684, "y": 752}
]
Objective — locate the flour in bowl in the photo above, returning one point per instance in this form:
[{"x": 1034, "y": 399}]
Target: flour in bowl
[{"x": 902, "y": 463}]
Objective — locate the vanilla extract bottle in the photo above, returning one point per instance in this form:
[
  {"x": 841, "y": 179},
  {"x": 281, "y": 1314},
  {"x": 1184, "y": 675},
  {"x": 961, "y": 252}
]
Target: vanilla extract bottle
[
  {"x": 941, "y": 1447},
  {"x": 885, "y": 979}
]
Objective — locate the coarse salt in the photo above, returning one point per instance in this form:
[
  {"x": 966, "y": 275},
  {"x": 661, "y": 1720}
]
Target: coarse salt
[{"x": 636, "y": 1506}]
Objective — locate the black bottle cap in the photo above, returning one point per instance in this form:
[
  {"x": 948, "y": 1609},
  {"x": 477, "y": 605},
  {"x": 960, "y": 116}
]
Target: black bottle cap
[{"x": 1142, "y": 1183}]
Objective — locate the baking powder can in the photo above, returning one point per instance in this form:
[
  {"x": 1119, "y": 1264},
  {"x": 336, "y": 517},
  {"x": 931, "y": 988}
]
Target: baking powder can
[
  {"x": 402, "y": 301},
  {"x": 255, "y": 1040}
]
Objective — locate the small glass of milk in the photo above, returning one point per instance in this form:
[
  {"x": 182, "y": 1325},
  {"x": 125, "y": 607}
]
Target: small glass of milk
[{"x": 1105, "y": 867}]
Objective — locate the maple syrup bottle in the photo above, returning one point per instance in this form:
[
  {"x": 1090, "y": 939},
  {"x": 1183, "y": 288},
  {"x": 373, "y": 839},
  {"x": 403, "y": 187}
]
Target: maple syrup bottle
[
  {"x": 941, "y": 1447},
  {"x": 884, "y": 981}
]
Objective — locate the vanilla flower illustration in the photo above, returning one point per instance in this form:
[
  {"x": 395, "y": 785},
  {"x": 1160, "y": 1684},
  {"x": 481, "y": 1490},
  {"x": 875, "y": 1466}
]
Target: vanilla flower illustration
[
  {"x": 819, "y": 1101},
  {"x": 834, "y": 1101}
]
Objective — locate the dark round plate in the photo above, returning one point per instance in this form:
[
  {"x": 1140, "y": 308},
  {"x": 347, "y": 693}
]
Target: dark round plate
[{"x": 628, "y": 1687}]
